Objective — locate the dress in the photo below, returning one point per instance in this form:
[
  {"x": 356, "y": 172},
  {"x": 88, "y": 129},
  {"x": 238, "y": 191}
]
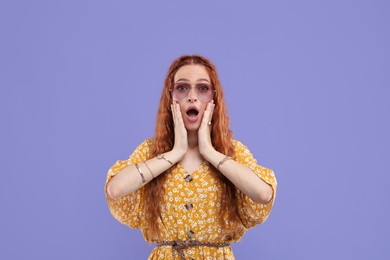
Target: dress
[{"x": 190, "y": 206}]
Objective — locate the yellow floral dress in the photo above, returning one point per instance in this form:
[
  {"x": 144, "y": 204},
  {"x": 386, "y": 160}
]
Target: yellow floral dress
[{"x": 191, "y": 205}]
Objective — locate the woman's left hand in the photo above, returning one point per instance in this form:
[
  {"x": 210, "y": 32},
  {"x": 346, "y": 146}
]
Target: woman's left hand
[{"x": 204, "y": 132}]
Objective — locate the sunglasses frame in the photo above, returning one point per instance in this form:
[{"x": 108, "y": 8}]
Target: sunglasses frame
[{"x": 214, "y": 93}]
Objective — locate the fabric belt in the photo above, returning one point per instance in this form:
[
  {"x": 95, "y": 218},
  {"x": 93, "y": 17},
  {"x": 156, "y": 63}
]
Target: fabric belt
[{"x": 180, "y": 245}]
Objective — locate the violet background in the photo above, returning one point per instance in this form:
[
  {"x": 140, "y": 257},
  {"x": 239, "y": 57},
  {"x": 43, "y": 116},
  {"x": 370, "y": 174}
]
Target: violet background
[{"x": 307, "y": 88}]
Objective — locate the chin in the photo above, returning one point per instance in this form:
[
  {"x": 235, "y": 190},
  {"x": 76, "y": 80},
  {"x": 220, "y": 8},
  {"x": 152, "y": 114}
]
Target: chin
[{"x": 192, "y": 128}]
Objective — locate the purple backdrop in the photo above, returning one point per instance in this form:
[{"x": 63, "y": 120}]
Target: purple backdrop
[{"x": 307, "y": 87}]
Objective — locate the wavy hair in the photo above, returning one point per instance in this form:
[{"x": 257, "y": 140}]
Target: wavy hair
[{"x": 221, "y": 137}]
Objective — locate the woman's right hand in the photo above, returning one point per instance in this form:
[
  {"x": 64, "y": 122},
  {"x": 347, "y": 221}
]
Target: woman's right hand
[{"x": 181, "y": 142}]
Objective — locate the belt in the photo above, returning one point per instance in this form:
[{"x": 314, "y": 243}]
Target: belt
[{"x": 180, "y": 245}]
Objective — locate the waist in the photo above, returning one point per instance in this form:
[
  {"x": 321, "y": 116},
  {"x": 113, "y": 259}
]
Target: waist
[{"x": 180, "y": 245}]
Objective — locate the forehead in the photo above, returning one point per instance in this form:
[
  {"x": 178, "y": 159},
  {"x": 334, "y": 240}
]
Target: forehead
[{"x": 192, "y": 73}]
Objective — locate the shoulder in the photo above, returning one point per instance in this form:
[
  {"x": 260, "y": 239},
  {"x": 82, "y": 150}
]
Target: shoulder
[
  {"x": 236, "y": 142},
  {"x": 239, "y": 146},
  {"x": 245, "y": 156},
  {"x": 240, "y": 150},
  {"x": 143, "y": 148},
  {"x": 149, "y": 141},
  {"x": 146, "y": 143}
]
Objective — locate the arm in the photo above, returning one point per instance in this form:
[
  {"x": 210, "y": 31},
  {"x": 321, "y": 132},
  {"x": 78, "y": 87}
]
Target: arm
[
  {"x": 242, "y": 177},
  {"x": 129, "y": 180}
]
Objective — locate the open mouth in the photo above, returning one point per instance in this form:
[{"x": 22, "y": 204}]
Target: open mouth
[{"x": 192, "y": 112}]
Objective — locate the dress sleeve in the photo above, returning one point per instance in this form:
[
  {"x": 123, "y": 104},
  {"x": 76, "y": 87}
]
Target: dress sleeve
[
  {"x": 127, "y": 209},
  {"x": 253, "y": 213}
]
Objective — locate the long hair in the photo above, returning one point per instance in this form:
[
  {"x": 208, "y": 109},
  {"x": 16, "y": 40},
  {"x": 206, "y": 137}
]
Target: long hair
[{"x": 221, "y": 137}]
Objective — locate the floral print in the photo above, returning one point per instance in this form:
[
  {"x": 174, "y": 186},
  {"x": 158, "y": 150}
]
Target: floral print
[{"x": 190, "y": 205}]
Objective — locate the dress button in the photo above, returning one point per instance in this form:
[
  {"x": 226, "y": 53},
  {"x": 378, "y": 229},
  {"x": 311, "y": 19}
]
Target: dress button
[
  {"x": 189, "y": 206},
  {"x": 188, "y": 178},
  {"x": 190, "y": 234}
]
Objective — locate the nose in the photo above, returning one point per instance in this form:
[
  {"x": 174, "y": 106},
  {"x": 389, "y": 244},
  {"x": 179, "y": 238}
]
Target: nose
[{"x": 192, "y": 96}]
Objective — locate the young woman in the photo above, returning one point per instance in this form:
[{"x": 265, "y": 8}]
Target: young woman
[{"x": 192, "y": 188}]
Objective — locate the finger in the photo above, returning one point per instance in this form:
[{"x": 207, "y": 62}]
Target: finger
[
  {"x": 174, "y": 114},
  {"x": 179, "y": 116},
  {"x": 206, "y": 115},
  {"x": 211, "y": 112}
]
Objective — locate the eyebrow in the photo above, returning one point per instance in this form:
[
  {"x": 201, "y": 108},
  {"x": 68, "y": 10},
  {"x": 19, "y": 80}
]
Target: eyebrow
[{"x": 186, "y": 80}]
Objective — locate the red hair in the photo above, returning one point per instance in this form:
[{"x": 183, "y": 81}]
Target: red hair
[{"x": 221, "y": 137}]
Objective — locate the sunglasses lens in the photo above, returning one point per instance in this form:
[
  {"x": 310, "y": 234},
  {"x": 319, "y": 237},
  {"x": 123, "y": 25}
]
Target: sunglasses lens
[
  {"x": 203, "y": 91},
  {"x": 181, "y": 91}
]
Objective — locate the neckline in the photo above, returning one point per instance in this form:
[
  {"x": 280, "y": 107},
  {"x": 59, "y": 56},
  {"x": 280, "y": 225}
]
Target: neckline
[{"x": 196, "y": 170}]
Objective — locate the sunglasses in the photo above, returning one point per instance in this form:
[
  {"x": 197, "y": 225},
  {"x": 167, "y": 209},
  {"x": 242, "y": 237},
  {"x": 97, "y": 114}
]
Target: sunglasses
[{"x": 204, "y": 91}]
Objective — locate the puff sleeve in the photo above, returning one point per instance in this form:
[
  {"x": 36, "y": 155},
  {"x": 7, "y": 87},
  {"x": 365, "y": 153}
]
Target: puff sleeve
[
  {"x": 127, "y": 209},
  {"x": 253, "y": 213}
]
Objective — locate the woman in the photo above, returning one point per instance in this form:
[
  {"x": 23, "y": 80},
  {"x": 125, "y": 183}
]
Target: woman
[{"x": 192, "y": 188}]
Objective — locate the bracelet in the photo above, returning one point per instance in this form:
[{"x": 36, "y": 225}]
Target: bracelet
[
  {"x": 161, "y": 156},
  {"x": 139, "y": 170},
  {"x": 223, "y": 160},
  {"x": 149, "y": 169}
]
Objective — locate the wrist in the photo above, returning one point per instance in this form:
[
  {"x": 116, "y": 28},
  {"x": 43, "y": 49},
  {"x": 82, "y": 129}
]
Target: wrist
[
  {"x": 208, "y": 153},
  {"x": 174, "y": 155}
]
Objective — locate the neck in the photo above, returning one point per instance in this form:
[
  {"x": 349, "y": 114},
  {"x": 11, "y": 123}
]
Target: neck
[{"x": 192, "y": 139}]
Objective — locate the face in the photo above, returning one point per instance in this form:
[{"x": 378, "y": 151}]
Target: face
[{"x": 192, "y": 76}]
